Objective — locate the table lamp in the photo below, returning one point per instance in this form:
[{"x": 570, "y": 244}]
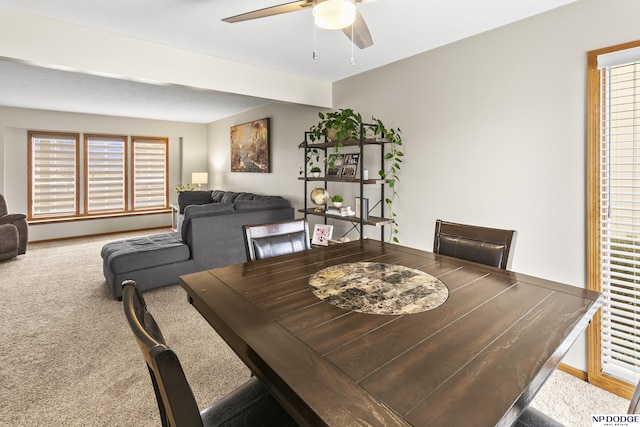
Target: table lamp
[{"x": 199, "y": 178}]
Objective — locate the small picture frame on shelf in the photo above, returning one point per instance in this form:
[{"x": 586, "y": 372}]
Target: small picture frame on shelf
[
  {"x": 322, "y": 234},
  {"x": 352, "y": 159},
  {"x": 362, "y": 202},
  {"x": 350, "y": 165},
  {"x": 348, "y": 171},
  {"x": 334, "y": 165}
]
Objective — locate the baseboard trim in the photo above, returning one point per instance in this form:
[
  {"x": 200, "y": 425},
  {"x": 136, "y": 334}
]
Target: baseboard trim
[
  {"x": 573, "y": 371},
  {"x": 604, "y": 382}
]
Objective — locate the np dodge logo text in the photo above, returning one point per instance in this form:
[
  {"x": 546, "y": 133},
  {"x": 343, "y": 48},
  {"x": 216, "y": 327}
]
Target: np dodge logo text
[{"x": 631, "y": 418}]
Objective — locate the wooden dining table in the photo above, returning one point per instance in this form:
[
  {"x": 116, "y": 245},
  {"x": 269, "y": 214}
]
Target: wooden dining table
[{"x": 475, "y": 357}]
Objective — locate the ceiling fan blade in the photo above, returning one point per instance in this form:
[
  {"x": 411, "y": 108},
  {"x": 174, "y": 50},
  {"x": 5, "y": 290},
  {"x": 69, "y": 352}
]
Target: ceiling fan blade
[
  {"x": 361, "y": 35},
  {"x": 270, "y": 11}
]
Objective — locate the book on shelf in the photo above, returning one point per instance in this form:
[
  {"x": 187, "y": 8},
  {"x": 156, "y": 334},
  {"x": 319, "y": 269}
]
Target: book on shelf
[
  {"x": 362, "y": 203},
  {"x": 345, "y": 211}
]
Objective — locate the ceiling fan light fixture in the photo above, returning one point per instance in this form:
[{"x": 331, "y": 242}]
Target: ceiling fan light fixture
[{"x": 334, "y": 14}]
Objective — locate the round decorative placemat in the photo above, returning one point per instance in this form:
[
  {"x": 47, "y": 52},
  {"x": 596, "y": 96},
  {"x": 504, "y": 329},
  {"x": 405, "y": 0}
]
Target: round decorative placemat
[{"x": 378, "y": 288}]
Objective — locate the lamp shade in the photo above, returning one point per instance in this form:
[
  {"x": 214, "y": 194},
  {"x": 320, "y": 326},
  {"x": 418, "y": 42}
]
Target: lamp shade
[
  {"x": 334, "y": 14},
  {"x": 199, "y": 178}
]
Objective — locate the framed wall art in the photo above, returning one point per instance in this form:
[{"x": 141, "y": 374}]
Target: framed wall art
[{"x": 250, "y": 147}]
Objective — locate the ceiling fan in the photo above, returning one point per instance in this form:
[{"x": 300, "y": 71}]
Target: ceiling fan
[{"x": 360, "y": 35}]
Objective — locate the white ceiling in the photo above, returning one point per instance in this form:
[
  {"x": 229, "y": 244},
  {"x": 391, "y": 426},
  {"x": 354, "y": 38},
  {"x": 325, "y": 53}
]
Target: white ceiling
[{"x": 400, "y": 29}]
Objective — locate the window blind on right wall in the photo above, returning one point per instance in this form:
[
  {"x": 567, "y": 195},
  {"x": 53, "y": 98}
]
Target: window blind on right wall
[{"x": 620, "y": 213}]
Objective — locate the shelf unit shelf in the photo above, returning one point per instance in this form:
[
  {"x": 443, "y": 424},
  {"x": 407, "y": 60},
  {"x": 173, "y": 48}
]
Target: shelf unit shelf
[
  {"x": 350, "y": 143},
  {"x": 372, "y": 220},
  {"x": 351, "y": 180}
]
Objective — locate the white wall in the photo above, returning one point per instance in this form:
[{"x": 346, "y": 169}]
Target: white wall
[
  {"x": 494, "y": 129},
  {"x": 287, "y": 125},
  {"x": 15, "y": 122},
  {"x": 495, "y": 133}
]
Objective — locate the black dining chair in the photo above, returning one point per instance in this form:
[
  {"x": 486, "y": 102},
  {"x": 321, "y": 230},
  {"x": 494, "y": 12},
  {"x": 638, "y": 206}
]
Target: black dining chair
[
  {"x": 277, "y": 238},
  {"x": 251, "y": 404},
  {"x": 489, "y": 246}
]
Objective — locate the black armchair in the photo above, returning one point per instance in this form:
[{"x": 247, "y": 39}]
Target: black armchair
[{"x": 19, "y": 221}]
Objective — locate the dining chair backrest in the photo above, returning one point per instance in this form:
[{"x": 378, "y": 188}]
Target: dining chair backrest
[
  {"x": 489, "y": 246},
  {"x": 277, "y": 238},
  {"x": 249, "y": 404},
  {"x": 176, "y": 401}
]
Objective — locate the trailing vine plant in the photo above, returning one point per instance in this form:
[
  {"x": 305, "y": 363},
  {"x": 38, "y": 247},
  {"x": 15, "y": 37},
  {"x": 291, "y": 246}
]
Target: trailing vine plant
[
  {"x": 345, "y": 125},
  {"x": 393, "y": 161}
]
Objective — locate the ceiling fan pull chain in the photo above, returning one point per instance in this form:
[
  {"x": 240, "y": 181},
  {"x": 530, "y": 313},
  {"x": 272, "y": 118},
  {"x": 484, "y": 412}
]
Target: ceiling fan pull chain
[{"x": 315, "y": 44}]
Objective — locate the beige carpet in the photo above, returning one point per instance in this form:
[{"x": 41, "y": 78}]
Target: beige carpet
[{"x": 68, "y": 357}]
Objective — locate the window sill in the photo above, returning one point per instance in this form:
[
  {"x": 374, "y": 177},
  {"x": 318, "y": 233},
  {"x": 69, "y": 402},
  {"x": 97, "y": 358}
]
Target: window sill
[{"x": 37, "y": 221}]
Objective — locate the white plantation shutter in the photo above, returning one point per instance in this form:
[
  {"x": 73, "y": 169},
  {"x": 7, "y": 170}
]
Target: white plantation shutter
[
  {"x": 105, "y": 173},
  {"x": 149, "y": 173},
  {"x": 53, "y": 174},
  {"x": 620, "y": 213}
]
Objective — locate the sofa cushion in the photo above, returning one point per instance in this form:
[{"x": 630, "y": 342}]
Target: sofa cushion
[
  {"x": 262, "y": 197},
  {"x": 229, "y": 197},
  {"x": 222, "y": 196},
  {"x": 245, "y": 196},
  {"x": 186, "y": 198},
  {"x": 260, "y": 205},
  {"x": 144, "y": 252},
  {"x": 196, "y": 211},
  {"x": 216, "y": 196}
]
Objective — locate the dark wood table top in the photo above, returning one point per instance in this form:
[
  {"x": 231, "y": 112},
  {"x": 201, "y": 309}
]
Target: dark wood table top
[{"x": 476, "y": 360}]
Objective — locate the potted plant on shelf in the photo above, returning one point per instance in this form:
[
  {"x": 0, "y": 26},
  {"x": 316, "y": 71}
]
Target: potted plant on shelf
[
  {"x": 337, "y": 126},
  {"x": 315, "y": 171},
  {"x": 337, "y": 200}
]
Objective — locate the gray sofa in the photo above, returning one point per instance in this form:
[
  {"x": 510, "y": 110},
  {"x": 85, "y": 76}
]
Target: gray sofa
[{"x": 210, "y": 236}]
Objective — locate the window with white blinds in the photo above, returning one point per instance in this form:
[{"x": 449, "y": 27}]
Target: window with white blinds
[
  {"x": 119, "y": 174},
  {"x": 620, "y": 213},
  {"x": 53, "y": 178},
  {"x": 105, "y": 177},
  {"x": 149, "y": 173}
]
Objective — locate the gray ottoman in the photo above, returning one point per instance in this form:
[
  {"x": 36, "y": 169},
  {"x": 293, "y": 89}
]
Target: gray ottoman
[
  {"x": 147, "y": 260},
  {"x": 8, "y": 241}
]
